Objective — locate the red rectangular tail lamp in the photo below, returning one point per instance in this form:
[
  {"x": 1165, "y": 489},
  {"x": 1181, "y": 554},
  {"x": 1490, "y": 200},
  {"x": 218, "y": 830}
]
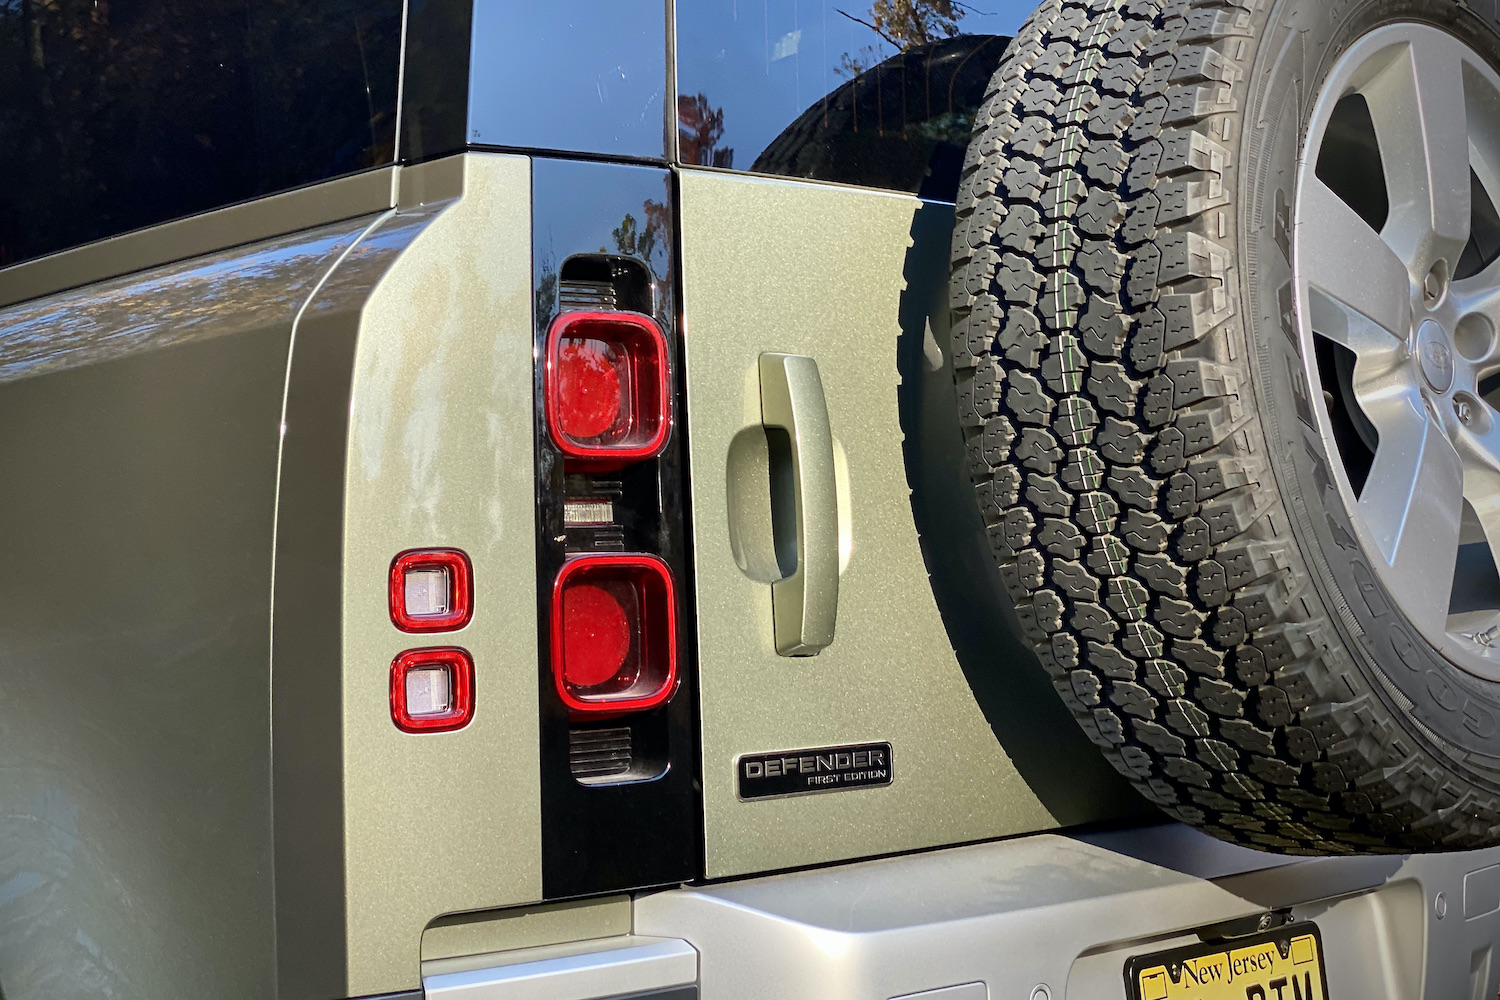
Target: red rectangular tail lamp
[
  {"x": 432, "y": 690},
  {"x": 608, "y": 391},
  {"x": 614, "y": 633},
  {"x": 431, "y": 590}
]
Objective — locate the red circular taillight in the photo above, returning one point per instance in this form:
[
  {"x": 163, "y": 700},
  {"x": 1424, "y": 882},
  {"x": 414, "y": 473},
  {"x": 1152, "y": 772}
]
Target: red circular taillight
[
  {"x": 588, "y": 389},
  {"x": 607, "y": 391},
  {"x": 614, "y": 633},
  {"x": 596, "y": 636}
]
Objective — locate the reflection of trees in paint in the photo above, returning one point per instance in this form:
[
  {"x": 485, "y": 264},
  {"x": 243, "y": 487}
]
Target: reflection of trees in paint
[
  {"x": 546, "y": 290},
  {"x": 658, "y": 222},
  {"x": 700, "y": 126},
  {"x": 246, "y": 288},
  {"x": 636, "y": 239},
  {"x": 905, "y": 24},
  {"x": 631, "y": 240},
  {"x": 573, "y": 283}
]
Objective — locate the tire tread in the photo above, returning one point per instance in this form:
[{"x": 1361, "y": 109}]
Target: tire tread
[{"x": 1099, "y": 355}]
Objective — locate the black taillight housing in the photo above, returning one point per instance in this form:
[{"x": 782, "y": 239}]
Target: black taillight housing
[
  {"x": 617, "y": 697},
  {"x": 605, "y": 437}
]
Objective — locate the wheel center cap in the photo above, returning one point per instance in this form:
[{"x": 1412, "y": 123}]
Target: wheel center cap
[{"x": 1435, "y": 356}]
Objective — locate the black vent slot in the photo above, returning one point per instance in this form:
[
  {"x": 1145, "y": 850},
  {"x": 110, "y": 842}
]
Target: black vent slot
[
  {"x": 604, "y": 284},
  {"x": 597, "y": 755},
  {"x": 587, "y": 296}
]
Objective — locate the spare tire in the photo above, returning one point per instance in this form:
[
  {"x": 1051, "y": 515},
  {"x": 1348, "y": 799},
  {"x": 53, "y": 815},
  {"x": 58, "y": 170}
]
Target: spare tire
[{"x": 1225, "y": 310}]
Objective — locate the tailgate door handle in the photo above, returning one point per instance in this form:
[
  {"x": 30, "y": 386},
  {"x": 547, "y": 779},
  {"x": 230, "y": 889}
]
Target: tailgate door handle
[{"x": 805, "y": 603}]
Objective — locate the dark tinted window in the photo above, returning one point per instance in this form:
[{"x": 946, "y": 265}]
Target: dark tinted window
[
  {"x": 586, "y": 76},
  {"x": 877, "y": 93},
  {"x": 118, "y": 114}
]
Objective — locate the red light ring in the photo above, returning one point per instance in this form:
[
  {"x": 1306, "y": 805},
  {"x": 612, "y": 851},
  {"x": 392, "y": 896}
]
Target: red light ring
[
  {"x": 618, "y": 706},
  {"x": 564, "y": 326},
  {"x": 460, "y": 663},
  {"x": 459, "y": 572}
]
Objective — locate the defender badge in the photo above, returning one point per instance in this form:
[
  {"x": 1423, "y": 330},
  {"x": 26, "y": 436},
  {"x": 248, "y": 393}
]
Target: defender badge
[{"x": 824, "y": 769}]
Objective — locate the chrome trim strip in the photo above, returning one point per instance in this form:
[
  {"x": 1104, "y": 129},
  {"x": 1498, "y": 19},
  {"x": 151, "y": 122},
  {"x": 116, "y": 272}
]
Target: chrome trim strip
[{"x": 633, "y": 965}]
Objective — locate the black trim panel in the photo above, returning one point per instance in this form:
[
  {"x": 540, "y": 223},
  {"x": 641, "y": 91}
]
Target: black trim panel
[
  {"x": 435, "y": 91},
  {"x": 610, "y": 836}
]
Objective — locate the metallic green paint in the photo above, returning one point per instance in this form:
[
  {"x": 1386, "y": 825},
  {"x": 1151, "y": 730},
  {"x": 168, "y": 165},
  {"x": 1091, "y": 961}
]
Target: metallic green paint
[
  {"x": 192, "y": 801},
  {"x": 138, "y": 439},
  {"x": 816, "y": 270},
  {"x": 440, "y": 455}
]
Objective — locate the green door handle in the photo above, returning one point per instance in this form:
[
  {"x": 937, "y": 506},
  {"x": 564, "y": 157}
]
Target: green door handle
[{"x": 804, "y": 604}]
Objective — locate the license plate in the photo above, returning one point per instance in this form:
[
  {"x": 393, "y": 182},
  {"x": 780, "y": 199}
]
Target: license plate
[{"x": 1284, "y": 964}]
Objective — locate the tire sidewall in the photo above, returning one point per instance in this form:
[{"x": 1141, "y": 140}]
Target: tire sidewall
[{"x": 1457, "y": 714}]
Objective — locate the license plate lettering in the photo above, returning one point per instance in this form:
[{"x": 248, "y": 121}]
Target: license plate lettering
[{"x": 1285, "y": 964}]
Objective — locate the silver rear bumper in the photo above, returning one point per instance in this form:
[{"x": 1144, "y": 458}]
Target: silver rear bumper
[{"x": 1038, "y": 917}]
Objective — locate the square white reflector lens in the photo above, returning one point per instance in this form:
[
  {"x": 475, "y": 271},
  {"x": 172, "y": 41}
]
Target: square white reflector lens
[
  {"x": 429, "y": 591},
  {"x": 429, "y": 691}
]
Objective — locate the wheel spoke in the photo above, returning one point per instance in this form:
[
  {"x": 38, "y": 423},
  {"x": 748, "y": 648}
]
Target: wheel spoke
[
  {"x": 1481, "y": 457},
  {"x": 1477, "y": 297},
  {"x": 1360, "y": 291},
  {"x": 1421, "y": 124},
  {"x": 1412, "y": 504}
]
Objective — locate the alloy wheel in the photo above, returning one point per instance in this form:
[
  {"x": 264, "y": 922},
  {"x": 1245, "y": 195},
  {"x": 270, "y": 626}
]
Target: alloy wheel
[{"x": 1395, "y": 240}]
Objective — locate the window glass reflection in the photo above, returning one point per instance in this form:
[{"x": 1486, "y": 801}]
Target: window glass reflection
[
  {"x": 876, "y": 93},
  {"x": 575, "y": 75},
  {"x": 119, "y": 114}
]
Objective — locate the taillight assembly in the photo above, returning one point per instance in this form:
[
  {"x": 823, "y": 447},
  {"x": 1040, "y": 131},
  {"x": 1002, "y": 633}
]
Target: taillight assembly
[
  {"x": 607, "y": 387},
  {"x": 432, "y": 690},
  {"x": 431, "y": 590},
  {"x": 614, "y": 633},
  {"x": 617, "y": 713}
]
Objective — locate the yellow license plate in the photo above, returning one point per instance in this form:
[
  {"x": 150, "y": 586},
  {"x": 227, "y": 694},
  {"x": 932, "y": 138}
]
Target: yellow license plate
[{"x": 1284, "y": 964}]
